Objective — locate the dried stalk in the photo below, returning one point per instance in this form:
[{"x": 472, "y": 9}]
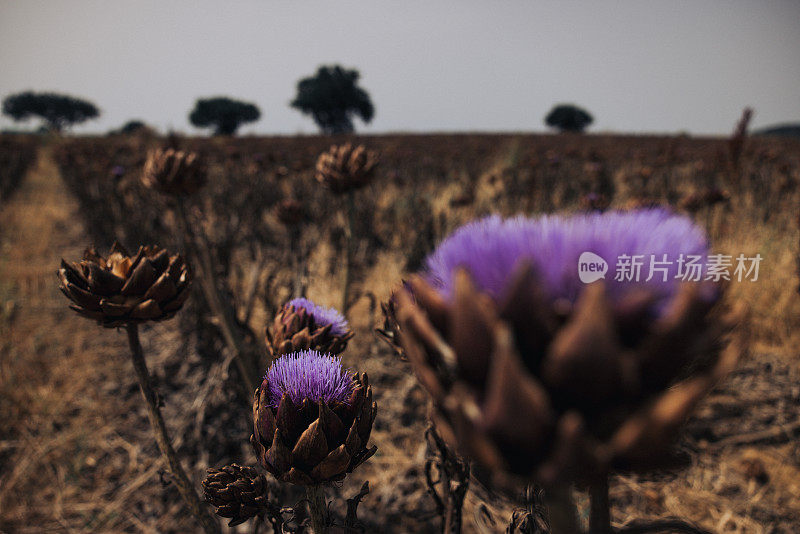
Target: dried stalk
[
  {"x": 349, "y": 240},
  {"x": 453, "y": 477},
  {"x": 208, "y": 283},
  {"x": 187, "y": 491},
  {"x": 674, "y": 526},
  {"x": 562, "y": 512},
  {"x": 599, "y": 512},
  {"x": 318, "y": 509}
]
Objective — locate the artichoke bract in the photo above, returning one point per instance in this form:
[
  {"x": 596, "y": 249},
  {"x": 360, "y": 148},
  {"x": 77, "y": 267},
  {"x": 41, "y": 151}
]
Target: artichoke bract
[
  {"x": 538, "y": 376},
  {"x": 302, "y": 324},
  {"x": 344, "y": 168},
  {"x": 174, "y": 172},
  {"x": 312, "y": 419},
  {"x": 236, "y": 492},
  {"x": 121, "y": 289}
]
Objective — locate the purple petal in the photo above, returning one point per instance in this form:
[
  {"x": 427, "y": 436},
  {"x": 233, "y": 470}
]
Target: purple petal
[
  {"x": 492, "y": 248},
  {"x": 322, "y": 316},
  {"x": 308, "y": 374}
]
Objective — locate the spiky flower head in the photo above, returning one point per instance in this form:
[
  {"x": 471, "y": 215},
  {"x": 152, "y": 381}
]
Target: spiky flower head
[
  {"x": 237, "y": 492},
  {"x": 310, "y": 375},
  {"x": 291, "y": 212},
  {"x": 312, "y": 419},
  {"x": 493, "y": 249},
  {"x": 173, "y": 172},
  {"x": 322, "y": 316},
  {"x": 303, "y": 324},
  {"x": 118, "y": 289},
  {"x": 535, "y": 374},
  {"x": 345, "y": 168}
]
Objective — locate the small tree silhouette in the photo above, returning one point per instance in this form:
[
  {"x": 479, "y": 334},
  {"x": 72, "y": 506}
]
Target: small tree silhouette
[
  {"x": 332, "y": 98},
  {"x": 568, "y": 118},
  {"x": 225, "y": 115},
  {"x": 56, "y": 110}
]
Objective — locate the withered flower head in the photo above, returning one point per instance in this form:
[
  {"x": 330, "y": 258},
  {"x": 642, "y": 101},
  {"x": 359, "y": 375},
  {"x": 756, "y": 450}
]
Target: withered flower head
[
  {"x": 312, "y": 419},
  {"x": 344, "y": 168},
  {"x": 703, "y": 198},
  {"x": 173, "y": 172},
  {"x": 535, "y": 374},
  {"x": 291, "y": 212},
  {"x": 121, "y": 289},
  {"x": 236, "y": 492},
  {"x": 302, "y": 324}
]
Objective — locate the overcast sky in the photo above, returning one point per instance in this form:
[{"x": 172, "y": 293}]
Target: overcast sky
[{"x": 461, "y": 65}]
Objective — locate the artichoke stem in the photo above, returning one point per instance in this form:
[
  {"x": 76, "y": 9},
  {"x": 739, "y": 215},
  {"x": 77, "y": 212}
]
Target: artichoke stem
[
  {"x": 298, "y": 263},
  {"x": 599, "y": 512},
  {"x": 348, "y": 235},
  {"x": 185, "y": 487},
  {"x": 318, "y": 508},
  {"x": 223, "y": 314},
  {"x": 561, "y": 510}
]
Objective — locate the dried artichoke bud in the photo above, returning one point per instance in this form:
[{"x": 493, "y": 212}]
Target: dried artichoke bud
[
  {"x": 344, "y": 168},
  {"x": 120, "y": 289}
]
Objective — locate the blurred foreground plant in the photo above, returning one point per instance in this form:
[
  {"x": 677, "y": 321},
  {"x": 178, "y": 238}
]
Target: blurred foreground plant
[
  {"x": 539, "y": 377},
  {"x": 124, "y": 290}
]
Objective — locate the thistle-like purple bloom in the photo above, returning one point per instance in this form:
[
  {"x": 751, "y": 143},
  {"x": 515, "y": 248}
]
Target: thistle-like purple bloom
[
  {"x": 492, "y": 248},
  {"x": 311, "y": 375},
  {"x": 322, "y": 316}
]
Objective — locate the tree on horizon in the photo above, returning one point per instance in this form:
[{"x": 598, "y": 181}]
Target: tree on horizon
[
  {"x": 333, "y": 98},
  {"x": 568, "y": 118},
  {"x": 57, "y": 110},
  {"x": 223, "y": 114}
]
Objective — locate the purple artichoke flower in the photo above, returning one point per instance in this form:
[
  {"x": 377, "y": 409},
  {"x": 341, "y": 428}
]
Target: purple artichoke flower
[
  {"x": 322, "y": 316},
  {"x": 301, "y": 324},
  {"x": 311, "y": 375},
  {"x": 539, "y": 373},
  {"x": 312, "y": 419},
  {"x": 491, "y": 249}
]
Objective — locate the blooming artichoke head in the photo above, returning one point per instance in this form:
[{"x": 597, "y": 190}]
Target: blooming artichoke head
[
  {"x": 312, "y": 419},
  {"x": 119, "y": 289},
  {"x": 536, "y": 374},
  {"x": 344, "y": 168},
  {"x": 302, "y": 324}
]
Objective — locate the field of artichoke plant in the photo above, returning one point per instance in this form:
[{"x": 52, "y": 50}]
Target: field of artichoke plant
[{"x": 388, "y": 334}]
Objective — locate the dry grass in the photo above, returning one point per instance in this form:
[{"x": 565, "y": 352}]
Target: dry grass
[{"x": 75, "y": 449}]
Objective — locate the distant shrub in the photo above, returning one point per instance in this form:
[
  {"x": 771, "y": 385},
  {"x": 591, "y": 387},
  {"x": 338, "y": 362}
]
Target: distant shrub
[
  {"x": 223, "y": 114},
  {"x": 332, "y": 97},
  {"x": 568, "y": 118},
  {"x": 58, "y": 111}
]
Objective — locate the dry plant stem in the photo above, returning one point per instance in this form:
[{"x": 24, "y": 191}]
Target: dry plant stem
[
  {"x": 223, "y": 314},
  {"x": 318, "y": 508},
  {"x": 298, "y": 264},
  {"x": 660, "y": 526},
  {"x": 561, "y": 509},
  {"x": 453, "y": 478},
  {"x": 350, "y": 209},
  {"x": 187, "y": 491},
  {"x": 599, "y": 513}
]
